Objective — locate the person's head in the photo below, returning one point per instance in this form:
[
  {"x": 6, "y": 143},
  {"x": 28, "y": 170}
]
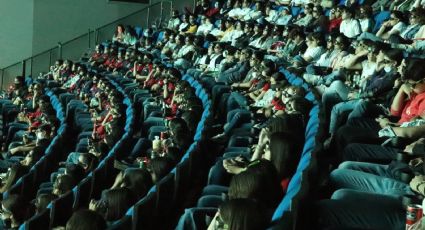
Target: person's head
[
  {"x": 315, "y": 39},
  {"x": 117, "y": 201},
  {"x": 283, "y": 151},
  {"x": 76, "y": 171},
  {"x": 139, "y": 181},
  {"x": 63, "y": 184},
  {"x": 417, "y": 16},
  {"x": 412, "y": 69},
  {"x": 396, "y": 17},
  {"x": 14, "y": 210},
  {"x": 317, "y": 11},
  {"x": 42, "y": 201},
  {"x": 33, "y": 156},
  {"x": 43, "y": 132},
  {"x": 12, "y": 175},
  {"x": 218, "y": 48},
  {"x": 86, "y": 220},
  {"x": 347, "y": 13},
  {"x": 391, "y": 58},
  {"x": 159, "y": 167},
  {"x": 257, "y": 182},
  {"x": 244, "y": 214},
  {"x": 341, "y": 42},
  {"x": 120, "y": 29},
  {"x": 365, "y": 11}
]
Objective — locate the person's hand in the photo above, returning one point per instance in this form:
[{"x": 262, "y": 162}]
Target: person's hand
[
  {"x": 95, "y": 205},
  {"x": 352, "y": 95},
  {"x": 416, "y": 162},
  {"x": 406, "y": 89},
  {"x": 409, "y": 148},
  {"x": 383, "y": 121},
  {"x": 416, "y": 182},
  {"x": 232, "y": 167}
]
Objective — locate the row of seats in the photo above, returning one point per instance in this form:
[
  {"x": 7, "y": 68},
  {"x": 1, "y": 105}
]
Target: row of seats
[
  {"x": 289, "y": 207},
  {"x": 61, "y": 209},
  {"x": 170, "y": 191}
]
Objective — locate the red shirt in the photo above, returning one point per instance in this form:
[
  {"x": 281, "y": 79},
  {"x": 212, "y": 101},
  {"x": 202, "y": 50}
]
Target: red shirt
[
  {"x": 278, "y": 104},
  {"x": 414, "y": 107},
  {"x": 334, "y": 24}
]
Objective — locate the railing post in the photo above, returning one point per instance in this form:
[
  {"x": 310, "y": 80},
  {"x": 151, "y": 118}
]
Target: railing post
[
  {"x": 149, "y": 14},
  {"x": 96, "y": 36},
  {"x": 161, "y": 15},
  {"x": 89, "y": 39},
  {"x": 50, "y": 59},
  {"x": 2, "y": 76},
  {"x": 32, "y": 75},
  {"x": 59, "y": 50},
  {"x": 23, "y": 68}
]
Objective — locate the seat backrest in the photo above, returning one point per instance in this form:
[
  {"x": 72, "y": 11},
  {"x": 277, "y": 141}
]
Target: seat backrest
[
  {"x": 122, "y": 224},
  {"x": 165, "y": 195},
  {"x": 61, "y": 209},
  {"x": 82, "y": 196},
  {"x": 39, "y": 221},
  {"x": 142, "y": 212}
]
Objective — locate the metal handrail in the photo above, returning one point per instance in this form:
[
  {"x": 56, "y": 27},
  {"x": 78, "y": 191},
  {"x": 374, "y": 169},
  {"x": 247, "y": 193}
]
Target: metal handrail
[{"x": 80, "y": 36}]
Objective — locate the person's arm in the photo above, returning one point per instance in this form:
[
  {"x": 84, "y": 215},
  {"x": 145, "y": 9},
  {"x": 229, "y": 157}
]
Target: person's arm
[
  {"x": 398, "y": 102},
  {"x": 410, "y": 132},
  {"x": 353, "y": 62}
]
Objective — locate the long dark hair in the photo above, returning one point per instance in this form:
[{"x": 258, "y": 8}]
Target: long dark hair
[
  {"x": 117, "y": 202},
  {"x": 285, "y": 151},
  {"x": 244, "y": 214}
]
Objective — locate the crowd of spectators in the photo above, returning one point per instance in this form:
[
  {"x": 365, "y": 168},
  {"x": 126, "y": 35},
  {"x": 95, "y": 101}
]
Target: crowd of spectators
[{"x": 362, "y": 59}]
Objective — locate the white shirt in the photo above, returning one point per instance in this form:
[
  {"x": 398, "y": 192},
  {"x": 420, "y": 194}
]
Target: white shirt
[
  {"x": 204, "y": 29},
  {"x": 266, "y": 99},
  {"x": 350, "y": 28},
  {"x": 365, "y": 24},
  {"x": 327, "y": 58},
  {"x": 283, "y": 20},
  {"x": 314, "y": 52},
  {"x": 173, "y": 23},
  {"x": 400, "y": 26}
]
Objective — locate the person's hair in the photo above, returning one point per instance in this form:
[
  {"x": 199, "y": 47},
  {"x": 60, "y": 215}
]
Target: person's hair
[
  {"x": 76, "y": 171},
  {"x": 285, "y": 151},
  {"x": 117, "y": 201},
  {"x": 17, "y": 206},
  {"x": 415, "y": 69},
  {"x": 368, "y": 11},
  {"x": 420, "y": 14},
  {"x": 63, "y": 184},
  {"x": 121, "y": 26},
  {"x": 85, "y": 219},
  {"x": 295, "y": 32},
  {"x": 16, "y": 171},
  {"x": 176, "y": 124},
  {"x": 394, "y": 54},
  {"x": 301, "y": 105},
  {"x": 256, "y": 183},
  {"x": 159, "y": 167},
  {"x": 318, "y": 37},
  {"x": 139, "y": 181},
  {"x": 348, "y": 10},
  {"x": 399, "y": 15},
  {"x": 42, "y": 201},
  {"x": 181, "y": 138},
  {"x": 174, "y": 154},
  {"x": 244, "y": 214}
]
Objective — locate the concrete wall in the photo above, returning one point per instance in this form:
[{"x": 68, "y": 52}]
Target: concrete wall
[
  {"x": 34, "y": 26},
  {"x": 62, "y": 20},
  {"x": 16, "y": 30}
]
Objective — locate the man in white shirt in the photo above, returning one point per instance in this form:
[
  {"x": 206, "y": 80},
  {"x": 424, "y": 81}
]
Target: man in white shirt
[{"x": 350, "y": 26}]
